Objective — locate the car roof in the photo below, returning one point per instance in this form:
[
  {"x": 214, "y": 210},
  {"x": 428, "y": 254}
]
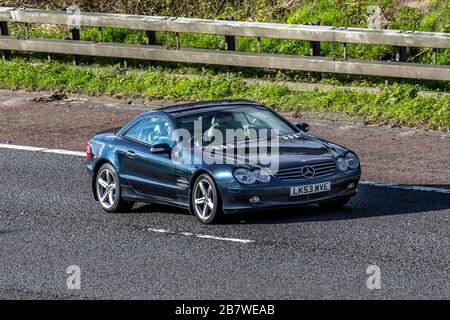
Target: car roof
[{"x": 202, "y": 105}]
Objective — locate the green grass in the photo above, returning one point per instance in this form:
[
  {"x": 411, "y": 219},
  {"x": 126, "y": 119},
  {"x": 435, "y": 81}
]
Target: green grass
[
  {"x": 434, "y": 17},
  {"x": 395, "y": 104}
]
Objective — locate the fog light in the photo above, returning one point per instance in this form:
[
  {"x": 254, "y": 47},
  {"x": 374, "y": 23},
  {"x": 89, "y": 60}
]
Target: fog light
[
  {"x": 351, "y": 186},
  {"x": 254, "y": 199}
]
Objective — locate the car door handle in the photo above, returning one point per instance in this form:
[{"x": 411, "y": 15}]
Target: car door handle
[{"x": 131, "y": 154}]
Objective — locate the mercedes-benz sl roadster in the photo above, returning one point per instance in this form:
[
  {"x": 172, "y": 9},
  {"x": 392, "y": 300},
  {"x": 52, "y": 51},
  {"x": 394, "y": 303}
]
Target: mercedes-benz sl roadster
[{"x": 216, "y": 158}]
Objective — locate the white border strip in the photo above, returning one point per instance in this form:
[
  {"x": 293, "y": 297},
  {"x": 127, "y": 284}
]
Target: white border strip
[
  {"x": 65, "y": 152},
  {"x": 370, "y": 183},
  {"x": 37, "y": 149},
  {"x": 15, "y": 147},
  {"x": 201, "y": 236},
  {"x": 405, "y": 187}
]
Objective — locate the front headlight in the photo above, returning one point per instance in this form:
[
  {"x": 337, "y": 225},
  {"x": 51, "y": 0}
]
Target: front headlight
[
  {"x": 262, "y": 175},
  {"x": 352, "y": 160},
  {"x": 246, "y": 176},
  {"x": 342, "y": 164}
]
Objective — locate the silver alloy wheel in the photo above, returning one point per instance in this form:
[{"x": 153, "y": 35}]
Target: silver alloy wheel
[
  {"x": 204, "y": 199},
  {"x": 106, "y": 188}
]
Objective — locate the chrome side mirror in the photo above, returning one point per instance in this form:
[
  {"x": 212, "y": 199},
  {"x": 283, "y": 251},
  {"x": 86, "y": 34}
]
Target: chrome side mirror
[{"x": 161, "y": 148}]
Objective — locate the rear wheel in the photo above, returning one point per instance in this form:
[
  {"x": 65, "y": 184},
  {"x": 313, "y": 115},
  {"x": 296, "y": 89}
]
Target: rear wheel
[
  {"x": 109, "y": 192},
  {"x": 335, "y": 204},
  {"x": 205, "y": 200}
]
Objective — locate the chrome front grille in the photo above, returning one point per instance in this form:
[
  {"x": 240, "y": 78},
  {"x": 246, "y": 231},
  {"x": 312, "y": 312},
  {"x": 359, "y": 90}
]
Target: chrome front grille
[{"x": 321, "y": 169}]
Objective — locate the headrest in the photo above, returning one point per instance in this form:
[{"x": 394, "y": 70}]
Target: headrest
[{"x": 222, "y": 118}]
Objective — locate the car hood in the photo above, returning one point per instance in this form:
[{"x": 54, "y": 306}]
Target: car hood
[
  {"x": 292, "y": 151},
  {"x": 304, "y": 149}
]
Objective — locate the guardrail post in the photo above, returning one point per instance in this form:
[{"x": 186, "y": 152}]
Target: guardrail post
[
  {"x": 75, "y": 35},
  {"x": 27, "y": 31},
  {"x": 177, "y": 40},
  {"x": 314, "y": 46},
  {"x": 230, "y": 43},
  {"x": 151, "y": 37},
  {"x": 151, "y": 41},
  {"x": 401, "y": 54},
  {"x": 6, "y": 55}
]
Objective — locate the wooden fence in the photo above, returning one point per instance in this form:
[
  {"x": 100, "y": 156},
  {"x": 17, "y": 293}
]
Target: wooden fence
[{"x": 401, "y": 40}]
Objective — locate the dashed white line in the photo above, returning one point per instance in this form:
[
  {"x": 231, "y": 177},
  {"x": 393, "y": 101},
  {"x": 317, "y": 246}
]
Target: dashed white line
[
  {"x": 159, "y": 230},
  {"x": 371, "y": 183},
  {"x": 201, "y": 236},
  {"x": 205, "y": 236}
]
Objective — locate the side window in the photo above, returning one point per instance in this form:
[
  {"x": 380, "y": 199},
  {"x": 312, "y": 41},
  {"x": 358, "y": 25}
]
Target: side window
[
  {"x": 135, "y": 131},
  {"x": 151, "y": 130}
]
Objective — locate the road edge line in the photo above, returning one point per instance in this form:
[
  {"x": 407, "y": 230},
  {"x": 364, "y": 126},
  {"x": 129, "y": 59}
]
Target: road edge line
[
  {"x": 405, "y": 187},
  {"x": 40, "y": 149}
]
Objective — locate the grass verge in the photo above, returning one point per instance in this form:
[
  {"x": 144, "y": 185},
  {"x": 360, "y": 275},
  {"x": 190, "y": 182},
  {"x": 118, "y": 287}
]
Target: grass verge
[{"x": 395, "y": 104}]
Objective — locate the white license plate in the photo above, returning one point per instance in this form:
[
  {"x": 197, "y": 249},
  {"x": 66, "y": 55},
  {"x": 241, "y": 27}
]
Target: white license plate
[{"x": 311, "y": 188}]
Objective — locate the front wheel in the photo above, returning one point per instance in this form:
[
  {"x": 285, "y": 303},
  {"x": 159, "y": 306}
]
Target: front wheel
[
  {"x": 205, "y": 200},
  {"x": 109, "y": 192}
]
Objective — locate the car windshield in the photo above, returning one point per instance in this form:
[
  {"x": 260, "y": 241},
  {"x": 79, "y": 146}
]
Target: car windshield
[{"x": 247, "y": 119}]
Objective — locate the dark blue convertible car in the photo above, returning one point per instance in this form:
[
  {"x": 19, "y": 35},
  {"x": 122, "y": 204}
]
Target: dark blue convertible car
[{"x": 218, "y": 157}]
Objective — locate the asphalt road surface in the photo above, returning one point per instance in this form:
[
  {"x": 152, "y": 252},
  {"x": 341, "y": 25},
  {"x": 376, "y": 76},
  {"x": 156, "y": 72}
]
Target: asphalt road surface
[{"x": 49, "y": 221}]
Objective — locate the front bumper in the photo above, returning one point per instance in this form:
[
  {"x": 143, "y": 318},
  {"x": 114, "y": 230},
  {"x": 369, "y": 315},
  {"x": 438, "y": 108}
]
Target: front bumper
[{"x": 236, "y": 199}]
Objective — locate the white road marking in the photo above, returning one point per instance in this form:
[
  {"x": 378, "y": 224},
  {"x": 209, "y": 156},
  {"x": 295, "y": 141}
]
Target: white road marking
[
  {"x": 66, "y": 152},
  {"x": 405, "y": 187},
  {"x": 15, "y": 147},
  {"x": 46, "y": 150},
  {"x": 159, "y": 230},
  {"x": 370, "y": 183},
  {"x": 201, "y": 236},
  {"x": 205, "y": 236}
]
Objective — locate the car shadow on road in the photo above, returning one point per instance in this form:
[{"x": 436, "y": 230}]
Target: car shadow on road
[
  {"x": 372, "y": 201},
  {"x": 160, "y": 208}
]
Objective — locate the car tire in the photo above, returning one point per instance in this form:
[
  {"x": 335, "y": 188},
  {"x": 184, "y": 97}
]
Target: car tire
[
  {"x": 206, "y": 203},
  {"x": 107, "y": 188},
  {"x": 335, "y": 204}
]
